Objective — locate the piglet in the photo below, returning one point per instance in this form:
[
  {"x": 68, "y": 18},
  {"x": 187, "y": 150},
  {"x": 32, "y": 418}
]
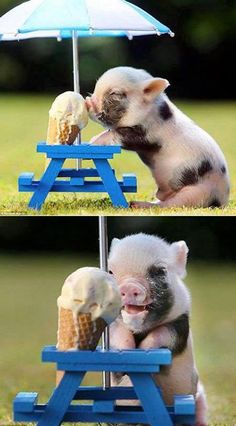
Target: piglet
[
  {"x": 155, "y": 312},
  {"x": 186, "y": 163}
]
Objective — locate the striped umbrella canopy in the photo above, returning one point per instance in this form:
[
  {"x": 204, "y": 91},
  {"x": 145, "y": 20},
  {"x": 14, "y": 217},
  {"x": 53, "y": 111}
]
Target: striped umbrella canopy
[{"x": 86, "y": 16}]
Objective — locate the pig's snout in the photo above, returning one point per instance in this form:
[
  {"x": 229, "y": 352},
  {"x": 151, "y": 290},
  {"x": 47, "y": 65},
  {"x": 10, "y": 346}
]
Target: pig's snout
[
  {"x": 92, "y": 103},
  {"x": 133, "y": 294}
]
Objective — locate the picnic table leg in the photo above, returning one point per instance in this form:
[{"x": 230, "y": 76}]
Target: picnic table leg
[
  {"x": 46, "y": 183},
  {"x": 61, "y": 399},
  {"x": 109, "y": 181},
  {"x": 151, "y": 400}
]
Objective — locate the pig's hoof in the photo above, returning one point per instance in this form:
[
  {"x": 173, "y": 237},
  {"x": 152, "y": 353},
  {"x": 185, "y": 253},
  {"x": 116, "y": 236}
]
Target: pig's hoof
[{"x": 141, "y": 205}]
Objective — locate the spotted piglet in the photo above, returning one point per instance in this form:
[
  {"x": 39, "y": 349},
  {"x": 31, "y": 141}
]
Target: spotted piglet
[
  {"x": 186, "y": 163},
  {"x": 155, "y": 312}
]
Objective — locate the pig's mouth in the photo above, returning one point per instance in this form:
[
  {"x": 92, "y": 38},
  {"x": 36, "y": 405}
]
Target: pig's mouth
[{"x": 135, "y": 309}]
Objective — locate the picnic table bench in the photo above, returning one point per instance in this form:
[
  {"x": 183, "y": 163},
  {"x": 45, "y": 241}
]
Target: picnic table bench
[
  {"x": 100, "y": 178},
  {"x": 138, "y": 364}
]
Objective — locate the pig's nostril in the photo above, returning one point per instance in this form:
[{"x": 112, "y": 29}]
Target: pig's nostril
[
  {"x": 122, "y": 294},
  {"x": 135, "y": 294}
]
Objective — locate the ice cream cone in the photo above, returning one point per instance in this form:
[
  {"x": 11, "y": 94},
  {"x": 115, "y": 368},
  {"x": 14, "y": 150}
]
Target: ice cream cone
[
  {"x": 67, "y": 116},
  {"x": 89, "y": 331},
  {"x": 61, "y": 132},
  {"x": 80, "y": 333}
]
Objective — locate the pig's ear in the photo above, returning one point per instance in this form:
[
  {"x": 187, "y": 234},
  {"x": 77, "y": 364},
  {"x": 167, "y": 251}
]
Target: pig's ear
[
  {"x": 114, "y": 242},
  {"x": 179, "y": 254},
  {"x": 153, "y": 87}
]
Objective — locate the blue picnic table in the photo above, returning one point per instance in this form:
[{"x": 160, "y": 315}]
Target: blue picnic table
[
  {"x": 138, "y": 364},
  {"x": 100, "y": 178}
]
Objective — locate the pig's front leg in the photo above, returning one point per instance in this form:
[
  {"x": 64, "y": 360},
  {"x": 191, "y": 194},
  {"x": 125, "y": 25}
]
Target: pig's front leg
[
  {"x": 158, "y": 338},
  {"x": 121, "y": 337},
  {"x": 104, "y": 138}
]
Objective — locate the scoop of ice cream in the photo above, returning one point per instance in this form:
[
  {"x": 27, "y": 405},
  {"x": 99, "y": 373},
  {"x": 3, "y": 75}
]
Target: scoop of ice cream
[
  {"x": 91, "y": 290},
  {"x": 70, "y": 107}
]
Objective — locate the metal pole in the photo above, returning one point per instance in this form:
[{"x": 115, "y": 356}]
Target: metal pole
[
  {"x": 103, "y": 250},
  {"x": 75, "y": 47}
]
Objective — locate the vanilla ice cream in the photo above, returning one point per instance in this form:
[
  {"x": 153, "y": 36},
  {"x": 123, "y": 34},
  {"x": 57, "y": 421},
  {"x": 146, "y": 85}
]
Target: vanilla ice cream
[
  {"x": 91, "y": 290},
  {"x": 67, "y": 116}
]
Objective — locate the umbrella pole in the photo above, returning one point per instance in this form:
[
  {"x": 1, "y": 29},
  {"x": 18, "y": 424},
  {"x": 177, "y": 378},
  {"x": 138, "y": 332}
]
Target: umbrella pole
[
  {"x": 75, "y": 47},
  {"x": 103, "y": 250}
]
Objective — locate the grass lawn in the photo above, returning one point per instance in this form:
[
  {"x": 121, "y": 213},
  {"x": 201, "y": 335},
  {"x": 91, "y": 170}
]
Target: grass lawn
[
  {"x": 23, "y": 122},
  {"x": 28, "y": 321}
]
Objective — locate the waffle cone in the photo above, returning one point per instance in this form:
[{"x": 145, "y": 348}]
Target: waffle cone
[
  {"x": 61, "y": 132},
  {"x": 82, "y": 333}
]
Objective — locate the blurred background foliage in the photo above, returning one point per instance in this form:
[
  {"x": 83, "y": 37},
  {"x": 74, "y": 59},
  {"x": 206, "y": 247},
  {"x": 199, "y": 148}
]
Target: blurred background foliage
[
  {"x": 198, "y": 61},
  {"x": 208, "y": 238}
]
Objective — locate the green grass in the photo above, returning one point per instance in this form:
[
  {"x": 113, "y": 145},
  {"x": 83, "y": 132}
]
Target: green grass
[
  {"x": 28, "y": 321},
  {"x": 24, "y": 122}
]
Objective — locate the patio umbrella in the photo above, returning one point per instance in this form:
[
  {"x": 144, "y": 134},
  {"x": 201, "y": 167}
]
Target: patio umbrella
[
  {"x": 73, "y": 19},
  {"x": 78, "y": 18}
]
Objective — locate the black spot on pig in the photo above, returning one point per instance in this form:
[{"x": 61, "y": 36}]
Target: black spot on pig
[
  {"x": 135, "y": 139},
  {"x": 147, "y": 158},
  {"x": 205, "y": 167},
  {"x": 161, "y": 294},
  {"x": 215, "y": 203},
  {"x": 113, "y": 108},
  {"x": 223, "y": 169},
  {"x": 179, "y": 328},
  {"x": 188, "y": 176},
  {"x": 165, "y": 111}
]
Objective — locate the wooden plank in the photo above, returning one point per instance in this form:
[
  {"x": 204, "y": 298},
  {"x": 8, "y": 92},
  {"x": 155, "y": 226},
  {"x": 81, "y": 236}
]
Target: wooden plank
[
  {"x": 103, "y": 406},
  {"x": 184, "y": 404},
  {"x": 98, "y": 393},
  {"x": 61, "y": 399},
  {"x": 24, "y": 402},
  {"x": 66, "y": 186},
  {"x": 151, "y": 400},
  {"x": 77, "y": 150},
  {"x": 45, "y": 184},
  {"x": 110, "y": 183},
  {"x": 26, "y": 179}
]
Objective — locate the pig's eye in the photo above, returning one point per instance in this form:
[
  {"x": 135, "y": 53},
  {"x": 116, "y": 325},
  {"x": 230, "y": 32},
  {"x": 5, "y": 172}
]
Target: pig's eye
[
  {"x": 118, "y": 94},
  {"x": 110, "y": 272}
]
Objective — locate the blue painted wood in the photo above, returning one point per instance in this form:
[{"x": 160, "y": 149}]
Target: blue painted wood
[
  {"x": 77, "y": 150},
  {"x": 76, "y": 181},
  {"x": 58, "y": 154},
  {"x": 25, "y": 402},
  {"x": 26, "y": 178},
  {"x": 84, "y": 413},
  {"x": 184, "y": 404},
  {"x": 138, "y": 364},
  {"x": 66, "y": 186},
  {"x": 98, "y": 393},
  {"x": 151, "y": 400},
  {"x": 84, "y": 172},
  {"x": 133, "y": 360},
  {"x": 46, "y": 183},
  {"x": 103, "y": 406},
  {"x": 110, "y": 183},
  {"x": 61, "y": 399}
]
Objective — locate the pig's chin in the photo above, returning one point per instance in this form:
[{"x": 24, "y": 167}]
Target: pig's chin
[{"x": 134, "y": 316}]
